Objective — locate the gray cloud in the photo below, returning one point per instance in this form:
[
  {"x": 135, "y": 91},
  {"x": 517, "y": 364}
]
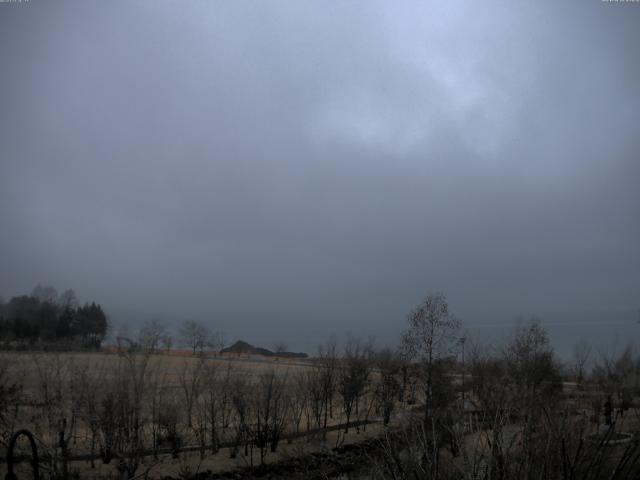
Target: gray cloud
[{"x": 316, "y": 167}]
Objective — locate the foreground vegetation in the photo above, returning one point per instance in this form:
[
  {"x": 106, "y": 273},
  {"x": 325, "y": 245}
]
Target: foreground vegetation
[{"x": 439, "y": 406}]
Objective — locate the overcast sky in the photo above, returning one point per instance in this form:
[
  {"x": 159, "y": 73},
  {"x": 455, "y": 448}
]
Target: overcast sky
[{"x": 314, "y": 167}]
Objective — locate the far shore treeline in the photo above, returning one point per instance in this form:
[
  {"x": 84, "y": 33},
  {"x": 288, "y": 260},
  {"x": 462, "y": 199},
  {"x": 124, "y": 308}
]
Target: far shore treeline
[{"x": 49, "y": 320}]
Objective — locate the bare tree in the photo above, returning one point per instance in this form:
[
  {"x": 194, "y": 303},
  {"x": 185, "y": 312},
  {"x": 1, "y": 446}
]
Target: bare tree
[
  {"x": 10, "y": 399},
  {"x": 122, "y": 413},
  {"x": 151, "y": 335},
  {"x": 159, "y": 401},
  {"x": 166, "y": 341},
  {"x": 45, "y": 294},
  {"x": 194, "y": 335},
  {"x": 495, "y": 400},
  {"x": 191, "y": 379},
  {"x": 407, "y": 452},
  {"x": 316, "y": 382},
  {"x": 58, "y": 411},
  {"x": 532, "y": 367},
  {"x": 240, "y": 399},
  {"x": 269, "y": 409},
  {"x": 298, "y": 399},
  {"x": 168, "y": 421},
  {"x": 68, "y": 299},
  {"x": 327, "y": 355},
  {"x": 89, "y": 383},
  {"x": 429, "y": 339},
  {"x": 211, "y": 404},
  {"x": 558, "y": 451},
  {"x": 216, "y": 341},
  {"x": 387, "y": 388},
  {"x": 225, "y": 406},
  {"x": 581, "y": 354},
  {"x": 280, "y": 347},
  {"x": 353, "y": 376},
  {"x": 618, "y": 375}
]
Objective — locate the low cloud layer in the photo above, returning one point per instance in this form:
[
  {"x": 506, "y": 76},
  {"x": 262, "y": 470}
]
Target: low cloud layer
[{"x": 303, "y": 168}]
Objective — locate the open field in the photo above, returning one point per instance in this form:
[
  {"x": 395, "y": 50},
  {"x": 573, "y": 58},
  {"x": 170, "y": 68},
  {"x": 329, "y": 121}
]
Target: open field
[
  {"x": 29, "y": 366},
  {"x": 133, "y": 413},
  {"x": 167, "y": 413}
]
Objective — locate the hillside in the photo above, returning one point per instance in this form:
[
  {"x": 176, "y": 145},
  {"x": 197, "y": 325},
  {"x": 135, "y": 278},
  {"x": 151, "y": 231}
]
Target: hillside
[{"x": 246, "y": 348}]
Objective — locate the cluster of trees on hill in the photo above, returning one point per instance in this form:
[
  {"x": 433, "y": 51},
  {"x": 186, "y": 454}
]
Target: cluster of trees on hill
[
  {"x": 246, "y": 348},
  {"x": 46, "y": 318}
]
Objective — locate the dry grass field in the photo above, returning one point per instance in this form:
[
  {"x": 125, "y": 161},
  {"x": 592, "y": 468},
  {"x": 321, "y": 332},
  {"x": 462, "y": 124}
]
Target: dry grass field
[
  {"x": 130, "y": 413},
  {"x": 133, "y": 414},
  {"x": 26, "y": 365}
]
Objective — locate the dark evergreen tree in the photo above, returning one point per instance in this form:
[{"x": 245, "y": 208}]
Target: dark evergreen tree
[{"x": 40, "y": 318}]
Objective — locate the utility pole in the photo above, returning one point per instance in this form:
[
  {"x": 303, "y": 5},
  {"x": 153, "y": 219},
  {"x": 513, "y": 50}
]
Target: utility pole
[{"x": 462, "y": 341}]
